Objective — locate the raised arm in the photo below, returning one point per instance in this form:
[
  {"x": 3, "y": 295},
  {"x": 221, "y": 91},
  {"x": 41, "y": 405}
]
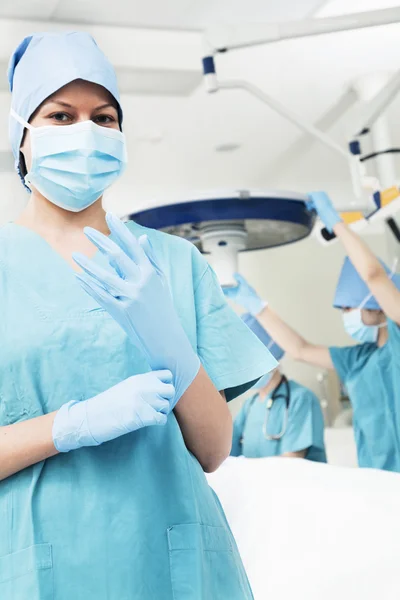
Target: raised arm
[
  {"x": 365, "y": 262},
  {"x": 286, "y": 337}
]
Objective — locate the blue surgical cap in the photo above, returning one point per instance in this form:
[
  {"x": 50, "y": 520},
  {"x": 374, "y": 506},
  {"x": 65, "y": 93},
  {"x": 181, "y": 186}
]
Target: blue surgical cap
[
  {"x": 263, "y": 336},
  {"x": 351, "y": 290},
  {"x": 45, "y": 62}
]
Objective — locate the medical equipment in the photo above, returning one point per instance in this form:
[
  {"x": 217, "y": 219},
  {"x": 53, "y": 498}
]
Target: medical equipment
[
  {"x": 135, "y": 293},
  {"x": 222, "y": 233},
  {"x": 321, "y": 202},
  {"x": 386, "y": 204},
  {"x": 222, "y": 225},
  {"x": 136, "y": 402},
  {"x": 367, "y": 190},
  {"x": 277, "y": 393}
]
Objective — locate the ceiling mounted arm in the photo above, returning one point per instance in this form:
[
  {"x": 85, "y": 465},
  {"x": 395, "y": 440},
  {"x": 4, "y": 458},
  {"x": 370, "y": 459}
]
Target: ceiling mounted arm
[
  {"x": 227, "y": 38},
  {"x": 375, "y": 107},
  {"x": 231, "y": 37}
]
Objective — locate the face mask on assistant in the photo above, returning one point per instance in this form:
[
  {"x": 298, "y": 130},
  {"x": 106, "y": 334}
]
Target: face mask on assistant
[
  {"x": 263, "y": 381},
  {"x": 72, "y": 165},
  {"x": 355, "y": 327}
]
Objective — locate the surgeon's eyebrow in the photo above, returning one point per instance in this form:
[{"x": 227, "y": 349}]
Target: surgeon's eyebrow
[
  {"x": 66, "y": 105},
  {"x": 107, "y": 105},
  {"x": 60, "y": 102}
]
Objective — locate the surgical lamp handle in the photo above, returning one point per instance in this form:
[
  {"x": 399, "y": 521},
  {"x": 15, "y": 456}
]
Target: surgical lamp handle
[{"x": 380, "y": 200}]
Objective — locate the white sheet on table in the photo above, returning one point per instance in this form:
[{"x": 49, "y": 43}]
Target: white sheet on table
[{"x": 310, "y": 531}]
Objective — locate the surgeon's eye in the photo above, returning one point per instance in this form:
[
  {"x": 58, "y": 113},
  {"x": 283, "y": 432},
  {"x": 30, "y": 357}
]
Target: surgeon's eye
[
  {"x": 104, "y": 120},
  {"x": 61, "y": 117}
]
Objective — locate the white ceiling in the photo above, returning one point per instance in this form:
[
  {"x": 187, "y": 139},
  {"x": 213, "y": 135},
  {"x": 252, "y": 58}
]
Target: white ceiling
[
  {"x": 171, "y": 14},
  {"x": 173, "y": 134}
]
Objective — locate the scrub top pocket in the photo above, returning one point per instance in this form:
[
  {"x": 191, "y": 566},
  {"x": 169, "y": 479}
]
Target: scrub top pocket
[
  {"x": 205, "y": 564},
  {"x": 27, "y": 574}
]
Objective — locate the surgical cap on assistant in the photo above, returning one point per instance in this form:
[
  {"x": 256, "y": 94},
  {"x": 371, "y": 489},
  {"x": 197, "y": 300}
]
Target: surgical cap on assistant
[
  {"x": 352, "y": 291},
  {"x": 45, "y": 62}
]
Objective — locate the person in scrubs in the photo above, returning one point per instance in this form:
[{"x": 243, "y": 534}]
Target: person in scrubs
[
  {"x": 111, "y": 405},
  {"x": 281, "y": 417},
  {"x": 368, "y": 295}
]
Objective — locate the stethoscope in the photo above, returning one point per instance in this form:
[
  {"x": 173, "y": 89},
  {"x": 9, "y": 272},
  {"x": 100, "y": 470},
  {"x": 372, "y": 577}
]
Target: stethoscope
[{"x": 281, "y": 391}]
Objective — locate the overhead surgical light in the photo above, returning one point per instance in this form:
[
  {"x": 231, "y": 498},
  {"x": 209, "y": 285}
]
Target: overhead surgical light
[{"x": 222, "y": 225}]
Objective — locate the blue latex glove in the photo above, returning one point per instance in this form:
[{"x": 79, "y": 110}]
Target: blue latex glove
[
  {"x": 136, "y": 402},
  {"x": 246, "y": 296},
  {"x": 137, "y": 296},
  {"x": 322, "y": 204}
]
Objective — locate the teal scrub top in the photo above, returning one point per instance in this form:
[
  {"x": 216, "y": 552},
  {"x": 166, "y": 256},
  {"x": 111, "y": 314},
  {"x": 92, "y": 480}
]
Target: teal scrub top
[
  {"x": 132, "y": 519},
  {"x": 371, "y": 376},
  {"x": 305, "y": 428}
]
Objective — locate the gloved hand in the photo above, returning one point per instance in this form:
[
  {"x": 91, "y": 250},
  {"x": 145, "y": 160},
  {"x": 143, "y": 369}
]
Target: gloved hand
[
  {"x": 136, "y": 402},
  {"x": 246, "y": 296},
  {"x": 321, "y": 202},
  {"x": 136, "y": 295}
]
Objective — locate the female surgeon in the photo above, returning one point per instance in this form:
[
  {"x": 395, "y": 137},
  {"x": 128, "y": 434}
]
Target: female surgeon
[
  {"x": 102, "y": 488},
  {"x": 368, "y": 296},
  {"x": 281, "y": 418}
]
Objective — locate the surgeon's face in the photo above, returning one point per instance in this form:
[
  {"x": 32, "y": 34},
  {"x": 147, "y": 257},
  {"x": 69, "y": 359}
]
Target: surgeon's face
[
  {"x": 78, "y": 101},
  {"x": 372, "y": 317}
]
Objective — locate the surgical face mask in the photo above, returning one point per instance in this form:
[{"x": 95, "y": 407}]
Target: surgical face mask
[
  {"x": 353, "y": 324},
  {"x": 72, "y": 165},
  {"x": 263, "y": 381}
]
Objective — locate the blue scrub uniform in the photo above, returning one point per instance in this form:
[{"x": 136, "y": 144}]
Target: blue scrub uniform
[
  {"x": 133, "y": 519},
  {"x": 372, "y": 379},
  {"x": 305, "y": 428}
]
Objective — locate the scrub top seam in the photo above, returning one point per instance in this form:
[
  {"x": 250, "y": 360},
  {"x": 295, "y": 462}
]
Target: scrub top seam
[
  {"x": 196, "y": 287},
  {"x": 227, "y": 374}
]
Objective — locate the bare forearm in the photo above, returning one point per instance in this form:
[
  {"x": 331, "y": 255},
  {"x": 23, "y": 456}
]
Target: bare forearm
[
  {"x": 286, "y": 337},
  {"x": 205, "y": 422},
  {"x": 364, "y": 260},
  {"x": 26, "y": 443},
  {"x": 293, "y": 343}
]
